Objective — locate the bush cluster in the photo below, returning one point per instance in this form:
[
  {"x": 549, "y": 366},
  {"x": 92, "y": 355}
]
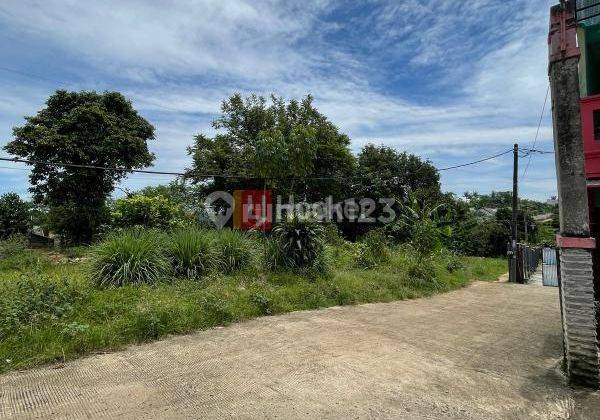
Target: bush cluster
[{"x": 145, "y": 256}]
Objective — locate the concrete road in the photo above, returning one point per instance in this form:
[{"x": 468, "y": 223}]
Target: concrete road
[{"x": 487, "y": 351}]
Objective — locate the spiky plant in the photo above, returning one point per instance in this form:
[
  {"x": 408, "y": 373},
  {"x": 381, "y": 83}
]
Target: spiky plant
[{"x": 300, "y": 240}]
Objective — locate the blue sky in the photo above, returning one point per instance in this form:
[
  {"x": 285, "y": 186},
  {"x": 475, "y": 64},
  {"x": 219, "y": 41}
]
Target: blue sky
[{"x": 450, "y": 81}]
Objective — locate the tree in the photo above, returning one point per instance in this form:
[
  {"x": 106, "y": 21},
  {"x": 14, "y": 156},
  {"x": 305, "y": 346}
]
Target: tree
[
  {"x": 84, "y": 128},
  {"x": 14, "y": 215},
  {"x": 386, "y": 173},
  {"x": 274, "y": 145}
]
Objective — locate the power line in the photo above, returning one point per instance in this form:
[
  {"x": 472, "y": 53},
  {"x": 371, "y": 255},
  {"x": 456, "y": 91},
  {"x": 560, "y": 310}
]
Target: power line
[
  {"x": 476, "y": 162},
  {"x": 75, "y": 165},
  {"x": 537, "y": 133},
  {"x": 204, "y": 176}
]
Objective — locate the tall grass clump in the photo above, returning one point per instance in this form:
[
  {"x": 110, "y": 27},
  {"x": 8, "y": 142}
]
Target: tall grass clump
[
  {"x": 233, "y": 250},
  {"x": 191, "y": 252},
  {"x": 130, "y": 257}
]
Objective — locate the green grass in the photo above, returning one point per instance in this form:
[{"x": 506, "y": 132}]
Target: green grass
[{"x": 84, "y": 318}]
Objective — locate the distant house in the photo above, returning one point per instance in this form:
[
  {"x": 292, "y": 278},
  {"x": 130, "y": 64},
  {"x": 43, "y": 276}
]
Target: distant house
[
  {"x": 553, "y": 201},
  {"x": 486, "y": 212},
  {"x": 543, "y": 218},
  {"x": 39, "y": 238}
]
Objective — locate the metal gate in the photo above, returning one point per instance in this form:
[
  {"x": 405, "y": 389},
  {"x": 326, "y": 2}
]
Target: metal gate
[{"x": 549, "y": 268}]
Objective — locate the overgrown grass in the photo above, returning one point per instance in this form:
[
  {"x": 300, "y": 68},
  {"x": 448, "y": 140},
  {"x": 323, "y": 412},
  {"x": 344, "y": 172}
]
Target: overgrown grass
[
  {"x": 130, "y": 257},
  {"x": 191, "y": 252},
  {"x": 57, "y": 312}
]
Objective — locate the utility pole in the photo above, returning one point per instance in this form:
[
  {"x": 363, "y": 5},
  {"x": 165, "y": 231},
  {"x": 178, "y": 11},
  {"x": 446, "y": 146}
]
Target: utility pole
[
  {"x": 515, "y": 202},
  {"x": 576, "y": 246},
  {"x": 526, "y": 229}
]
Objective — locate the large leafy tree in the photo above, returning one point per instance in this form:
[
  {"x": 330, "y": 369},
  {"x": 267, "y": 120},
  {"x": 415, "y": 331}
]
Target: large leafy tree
[
  {"x": 14, "y": 215},
  {"x": 273, "y": 144},
  {"x": 386, "y": 173},
  {"x": 85, "y": 128}
]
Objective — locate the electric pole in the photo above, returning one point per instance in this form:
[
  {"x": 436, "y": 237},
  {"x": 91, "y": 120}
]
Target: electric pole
[
  {"x": 576, "y": 246},
  {"x": 515, "y": 203},
  {"x": 526, "y": 231}
]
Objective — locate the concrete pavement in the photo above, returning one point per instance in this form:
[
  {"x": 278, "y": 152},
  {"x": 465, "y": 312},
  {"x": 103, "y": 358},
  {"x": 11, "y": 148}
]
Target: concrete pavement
[{"x": 488, "y": 351}]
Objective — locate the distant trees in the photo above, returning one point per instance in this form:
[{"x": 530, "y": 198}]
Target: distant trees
[
  {"x": 85, "y": 128},
  {"x": 14, "y": 215}
]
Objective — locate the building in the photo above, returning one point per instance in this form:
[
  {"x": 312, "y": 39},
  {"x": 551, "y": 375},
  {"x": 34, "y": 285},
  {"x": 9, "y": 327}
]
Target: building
[{"x": 574, "y": 70}]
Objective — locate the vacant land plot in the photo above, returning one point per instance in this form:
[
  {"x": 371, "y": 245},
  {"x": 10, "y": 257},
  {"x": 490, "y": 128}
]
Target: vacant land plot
[
  {"x": 53, "y": 310},
  {"x": 488, "y": 351}
]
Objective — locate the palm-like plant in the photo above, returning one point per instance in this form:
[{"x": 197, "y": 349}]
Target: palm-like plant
[
  {"x": 300, "y": 242},
  {"x": 427, "y": 225}
]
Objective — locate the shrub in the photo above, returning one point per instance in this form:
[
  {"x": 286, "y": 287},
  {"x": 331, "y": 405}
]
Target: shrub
[
  {"x": 14, "y": 255},
  {"x": 299, "y": 243},
  {"x": 130, "y": 257},
  {"x": 264, "y": 303},
  {"x": 373, "y": 250},
  {"x": 13, "y": 245},
  {"x": 234, "y": 250},
  {"x": 35, "y": 298},
  {"x": 150, "y": 212},
  {"x": 14, "y": 215},
  {"x": 217, "y": 309},
  {"x": 273, "y": 257},
  {"x": 191, "y": 252},
  {"x": 421, "y": 271},
  {"x": 332, "y": 235}
]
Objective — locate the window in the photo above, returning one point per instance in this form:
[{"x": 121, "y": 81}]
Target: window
[{"x": 597, "y": 124}]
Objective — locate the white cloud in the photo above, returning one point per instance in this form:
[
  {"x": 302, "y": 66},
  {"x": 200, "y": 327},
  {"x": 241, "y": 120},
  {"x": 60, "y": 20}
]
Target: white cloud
[{"x": 183, "y": 58}]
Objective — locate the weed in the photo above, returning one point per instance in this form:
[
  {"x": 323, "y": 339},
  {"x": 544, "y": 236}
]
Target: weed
[
  {"x": 234, "y": 251},
  {"x": 191, "y": 252},
  {"x": 130, "y": 257}
]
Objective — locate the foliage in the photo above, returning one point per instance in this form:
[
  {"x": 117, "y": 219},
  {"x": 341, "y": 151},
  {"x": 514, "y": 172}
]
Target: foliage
[
  {"x": 426, "y": 225},
  {"x": 234, "y": 251},
  {"x": 191, "y": 252},
  {"x": 188, "y": 197},
  {"x": 386, "y": 173},
  {"x": 481, "y": 238},
  {"x": 74, "y": 317},
  {"x": 332, "y": 235},
  {"x": 13, "y": 245},
  {"x": 373, "y": 250},
  {"x": 499, "y": 199},
  {"x": 84, "y": 128},
  {"x": 150, "y": 212},
  {"x": 34, "y": 298},
  {"x": 300, "y": 244},
  {"x": 261, "y": 139},
  {"x": 130, "y": 257},
  {"x": 451, "y": 260},
  {"x": 15, "y": 215}
]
